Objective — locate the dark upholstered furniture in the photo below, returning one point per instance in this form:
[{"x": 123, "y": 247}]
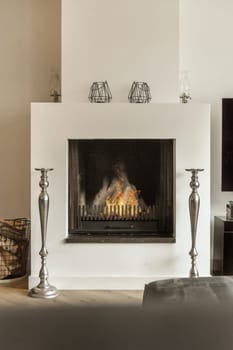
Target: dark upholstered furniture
[
  {"x": 189, "y": 290},
  {"x": 166, "y": 327}
]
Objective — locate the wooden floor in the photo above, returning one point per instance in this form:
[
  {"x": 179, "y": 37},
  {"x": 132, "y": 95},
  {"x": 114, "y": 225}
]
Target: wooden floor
[{"x": 15, "y": 293}]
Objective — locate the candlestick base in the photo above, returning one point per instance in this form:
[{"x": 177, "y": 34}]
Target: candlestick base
[
  {"x": 47, "y": 292},
  {"x": 193, "y": 273}
]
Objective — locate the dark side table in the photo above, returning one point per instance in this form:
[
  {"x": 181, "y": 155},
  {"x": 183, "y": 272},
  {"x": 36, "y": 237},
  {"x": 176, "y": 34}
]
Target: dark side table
[{"x": 222, "y": 247}]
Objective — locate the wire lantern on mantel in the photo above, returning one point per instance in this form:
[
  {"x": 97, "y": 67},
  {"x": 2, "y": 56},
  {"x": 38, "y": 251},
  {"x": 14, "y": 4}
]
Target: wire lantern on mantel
[
  {"x": 139, "y": 93},
  {"x": 100, "y": 92}
]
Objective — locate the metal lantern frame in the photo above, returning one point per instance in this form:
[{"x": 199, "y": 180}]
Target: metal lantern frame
[
  {"x": 139, "y": 93},
  {"x": 100, "y": 92}
]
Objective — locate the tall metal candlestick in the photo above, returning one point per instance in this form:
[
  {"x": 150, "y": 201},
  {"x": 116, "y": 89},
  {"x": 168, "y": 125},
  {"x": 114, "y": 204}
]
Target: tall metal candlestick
[
  {"x": 44, "y": 289},
  {"x": 194, "y": 205}
]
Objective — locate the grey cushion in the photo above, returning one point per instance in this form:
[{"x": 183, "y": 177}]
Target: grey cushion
[{"x": 188, "y": 290}]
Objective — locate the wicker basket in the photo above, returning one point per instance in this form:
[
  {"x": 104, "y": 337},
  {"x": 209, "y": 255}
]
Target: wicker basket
[{"x": 14, "y": 247}]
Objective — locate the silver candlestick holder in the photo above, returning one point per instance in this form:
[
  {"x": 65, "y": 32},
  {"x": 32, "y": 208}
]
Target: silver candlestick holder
[
  {"x": 44, "y": 289},
  {"x": 194, "y": 205}
]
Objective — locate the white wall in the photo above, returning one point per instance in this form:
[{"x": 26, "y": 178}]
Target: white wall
[
  {"x": 29, "y": 47},
  {"x": 118, "y": 266},
  {"x": 120, "y": 41},
  {"x": 206, "y": 50}
]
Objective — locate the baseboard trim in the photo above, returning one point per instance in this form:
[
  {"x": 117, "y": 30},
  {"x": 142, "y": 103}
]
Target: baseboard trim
[{"x": 100, "y": 282}]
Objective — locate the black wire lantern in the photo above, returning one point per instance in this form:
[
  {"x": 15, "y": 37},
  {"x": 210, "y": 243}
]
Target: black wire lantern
[
  {"x": 100, "y": 92},
  {"x": 139, "y": 93}
]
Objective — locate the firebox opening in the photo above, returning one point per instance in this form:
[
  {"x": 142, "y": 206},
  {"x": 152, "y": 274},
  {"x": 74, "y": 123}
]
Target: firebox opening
[{"x": 121, "y": 190}]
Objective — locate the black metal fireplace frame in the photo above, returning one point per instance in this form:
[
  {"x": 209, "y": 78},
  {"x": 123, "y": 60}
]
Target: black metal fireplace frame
[{"x": 124, "y": 230}]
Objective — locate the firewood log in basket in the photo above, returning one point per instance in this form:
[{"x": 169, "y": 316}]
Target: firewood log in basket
[{"x": 14, "y": 243}]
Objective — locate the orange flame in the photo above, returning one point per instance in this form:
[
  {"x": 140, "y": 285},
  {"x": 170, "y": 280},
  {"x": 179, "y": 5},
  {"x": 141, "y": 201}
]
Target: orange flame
[{"x": 122, "y": 199}]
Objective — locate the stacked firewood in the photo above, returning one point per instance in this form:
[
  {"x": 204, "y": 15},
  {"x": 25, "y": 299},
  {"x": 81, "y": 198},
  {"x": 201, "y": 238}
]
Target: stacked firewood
[{"x": 14, "y": 239}]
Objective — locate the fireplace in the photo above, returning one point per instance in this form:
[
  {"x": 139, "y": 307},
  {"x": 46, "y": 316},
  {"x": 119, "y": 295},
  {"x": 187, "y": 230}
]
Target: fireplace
[
  {"x": 121, "y": 190},
  {"x": 117, "y": 265}
]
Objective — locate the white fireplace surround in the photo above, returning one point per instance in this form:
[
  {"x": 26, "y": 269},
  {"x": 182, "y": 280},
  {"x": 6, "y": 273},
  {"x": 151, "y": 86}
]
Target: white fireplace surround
[{"x": 115, "y": 265}]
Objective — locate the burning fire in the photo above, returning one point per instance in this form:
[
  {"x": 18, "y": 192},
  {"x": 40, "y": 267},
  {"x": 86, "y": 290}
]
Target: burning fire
[
  {"x": 122, "y": 199},
  {"x": 119, "y": 198}
]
